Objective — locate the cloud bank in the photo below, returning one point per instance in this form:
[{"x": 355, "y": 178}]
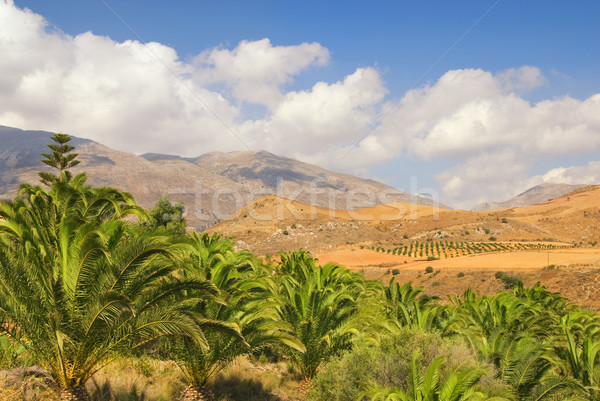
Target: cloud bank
[{"x": 143, "y": 98}]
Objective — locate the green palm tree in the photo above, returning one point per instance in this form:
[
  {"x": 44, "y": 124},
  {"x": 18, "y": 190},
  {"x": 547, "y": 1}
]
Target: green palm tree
[
  {"x": 82, "y": 284},
  {"x": 242, "y": 320},
  {"x": 516, "y": 334},
  {"x": 407, "y": 306},
  {"x": 579, "y": 353},
  {"x": 319, "y": 303}
]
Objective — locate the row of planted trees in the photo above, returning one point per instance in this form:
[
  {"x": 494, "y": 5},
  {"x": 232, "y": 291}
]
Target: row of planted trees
[
  {"x": 85, "y": 283},
  {"x": 446, "y": 249}
]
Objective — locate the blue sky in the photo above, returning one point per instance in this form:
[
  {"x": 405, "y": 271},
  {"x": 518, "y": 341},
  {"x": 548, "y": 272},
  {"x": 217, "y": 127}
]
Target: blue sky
[{"x": 534, "y": 63}]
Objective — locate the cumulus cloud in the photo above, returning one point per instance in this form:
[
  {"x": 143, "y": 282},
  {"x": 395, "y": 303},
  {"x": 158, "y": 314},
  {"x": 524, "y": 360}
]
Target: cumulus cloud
[
  {"x": 494, "y": 136},
  {"x": 521, "y": 79},
  {"x": 256, "y": 70},
  {"x": 314, "y": 122},
  {"x": 142, "y": 98},
  {"x": 589, "y": 175}
]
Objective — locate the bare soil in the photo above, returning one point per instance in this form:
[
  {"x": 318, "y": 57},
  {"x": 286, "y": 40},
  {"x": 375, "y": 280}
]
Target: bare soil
[{"x": 574, "y": 272}]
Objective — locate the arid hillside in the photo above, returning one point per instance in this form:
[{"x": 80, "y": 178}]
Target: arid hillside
[
  {"x": 271, "y": 224},
  {"x": 555, "y": 243}
]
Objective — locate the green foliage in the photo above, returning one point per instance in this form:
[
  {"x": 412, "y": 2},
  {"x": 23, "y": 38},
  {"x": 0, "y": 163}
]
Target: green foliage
[
  {"x": 509, "y": 281},
  {"x": 80, "y": 285},
  {"x": 319, "y": 303},
  {"x": 516, "y": 332},
  {"x": 13, "y": 348},
  {"x": 407, "y": 306},
  {"x": 388, "y": 364},
  {"x": 432, "y": 385},
  {"x": 241, "y": 320},
  {"x": 61, "y": 159},
  {"x": 83, "y": 284},
  {"x": 167, "y": 215}
]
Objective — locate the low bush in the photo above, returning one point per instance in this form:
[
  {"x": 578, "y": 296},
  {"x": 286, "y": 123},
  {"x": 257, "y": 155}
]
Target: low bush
[
  {"x": 385, "y": 364},
  {"x": 509, "y": 281}
]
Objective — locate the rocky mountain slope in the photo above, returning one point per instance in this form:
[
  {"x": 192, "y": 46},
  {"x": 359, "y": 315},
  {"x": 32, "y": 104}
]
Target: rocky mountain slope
[
  {"x": 538, "y": 194},
  {"x": 212, "y": 186}
]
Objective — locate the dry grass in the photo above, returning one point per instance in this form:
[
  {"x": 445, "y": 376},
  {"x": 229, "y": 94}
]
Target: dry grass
[
  {"x": 248, "y": 381},
  {"x": 26, "y": 384},
  {"x": 130, "y": 379}
]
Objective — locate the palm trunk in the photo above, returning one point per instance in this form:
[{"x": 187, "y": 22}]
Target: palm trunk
[
  {"x": 74, "y": 394},
  {"x": 304, "y": 386},
  {"x": 197, "y": 393}
]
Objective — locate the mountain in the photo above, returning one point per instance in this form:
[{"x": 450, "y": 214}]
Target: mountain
[
  {"x": 271, "y": 224},
  {"x": 538, "y": 194},
  {"x": 212, "y": 186}
]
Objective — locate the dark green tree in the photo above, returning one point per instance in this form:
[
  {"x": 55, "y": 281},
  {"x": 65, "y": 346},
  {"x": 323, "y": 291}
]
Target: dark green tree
[
  {"x": 168, "y": 215},
  {"x": 60, "y": 159}
]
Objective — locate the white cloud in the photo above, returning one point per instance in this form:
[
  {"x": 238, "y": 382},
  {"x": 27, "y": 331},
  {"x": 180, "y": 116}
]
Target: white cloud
[
  {"x": 312, "y": 124},
  {"x": 143, "y": 98},
  {"x": 589, "y": 175},
  {"x": 521, "y": 79},
  {"x": 257, "y": 70},
  {"x": 494, "y": 136}
]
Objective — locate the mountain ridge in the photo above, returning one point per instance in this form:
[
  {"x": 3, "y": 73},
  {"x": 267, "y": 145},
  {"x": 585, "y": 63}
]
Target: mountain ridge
[
  {"x": 534, "y": 195},
  {"x": 212, "y": 185}
]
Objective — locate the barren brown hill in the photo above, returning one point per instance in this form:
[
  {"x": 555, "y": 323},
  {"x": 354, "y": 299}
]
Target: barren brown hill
[
  {"x": 271, "y": 224},
  {"x": 212, "y": 186}
]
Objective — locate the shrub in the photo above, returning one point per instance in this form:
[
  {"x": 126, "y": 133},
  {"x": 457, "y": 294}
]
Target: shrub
[
  {"x": 461, "y": 274},
  {"x": 285, "y": 232},
  {"x": 492, "y": 238},
  {"x": 432, "y": 258},
  {"x": 505, "y": 220},
  {"x": 396, "y": 272},
  {"x": 509, "y": 281},
  {"x": 387, "y": 363},
  {"x": 429, "y": 269}
]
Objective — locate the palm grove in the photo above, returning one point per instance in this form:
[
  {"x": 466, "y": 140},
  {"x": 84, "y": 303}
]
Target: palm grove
[{"x": 87, "y": 276}]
